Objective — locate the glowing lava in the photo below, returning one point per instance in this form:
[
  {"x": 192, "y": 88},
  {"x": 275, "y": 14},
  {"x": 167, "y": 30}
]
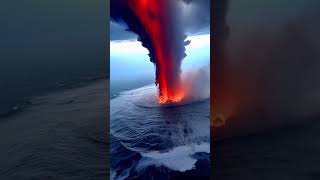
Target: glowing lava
[{"x": 165, "y": 41}]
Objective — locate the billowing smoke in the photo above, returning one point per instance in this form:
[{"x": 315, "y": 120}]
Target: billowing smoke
[
  {"x": 159, "y": 28},
  {"x": 218, "y": 61},
  {"x": 197, "y": 83},
  {"x": 270, "y": 62}
]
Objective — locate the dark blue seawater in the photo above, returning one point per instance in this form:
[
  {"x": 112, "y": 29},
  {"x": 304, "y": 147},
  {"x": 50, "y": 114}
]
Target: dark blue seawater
[
  {"x": 148, "y": 140},
  {"x": 53, "y": 89},
  {"x": 290, "y": 152},
  {"x": 53, "y": 92},
  {"x": 18, "y": 90},
  {"x": 60, "y": 135},
  {"x": 49, "y": 46},
  {"x": 21, "y": 85}
]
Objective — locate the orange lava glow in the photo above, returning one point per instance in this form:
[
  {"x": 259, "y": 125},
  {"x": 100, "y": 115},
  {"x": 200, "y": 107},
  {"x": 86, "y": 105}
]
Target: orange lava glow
[
  {"x": 154, "y": 16},
  {"x": 178, "y": 97}
]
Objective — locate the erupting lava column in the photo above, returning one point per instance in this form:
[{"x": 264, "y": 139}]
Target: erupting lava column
[{"x": 163, "y": 36}]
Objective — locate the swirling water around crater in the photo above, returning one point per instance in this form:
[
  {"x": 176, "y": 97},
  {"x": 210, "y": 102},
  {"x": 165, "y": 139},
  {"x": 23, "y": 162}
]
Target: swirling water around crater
[{"x": 148, "y": 138}]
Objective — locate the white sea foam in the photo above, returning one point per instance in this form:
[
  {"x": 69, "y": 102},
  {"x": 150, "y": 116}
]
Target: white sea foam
[{"x": 178, "y": 159}]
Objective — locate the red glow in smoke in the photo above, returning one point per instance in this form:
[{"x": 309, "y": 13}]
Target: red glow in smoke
[{"x": 154, "y": 16}]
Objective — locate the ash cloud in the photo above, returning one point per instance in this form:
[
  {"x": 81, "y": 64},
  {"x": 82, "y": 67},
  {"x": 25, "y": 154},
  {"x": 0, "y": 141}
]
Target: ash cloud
[
  {"x": 272, "y": 58},
  {"x": 196, "y": 20},
  {"x": 162, "y": 33},
  {"x": 197, "y": 16}
]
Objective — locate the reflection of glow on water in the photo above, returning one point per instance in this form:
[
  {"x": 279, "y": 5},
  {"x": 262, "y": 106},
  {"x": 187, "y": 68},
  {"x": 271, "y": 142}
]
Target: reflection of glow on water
[{"x": 219, "y": 120}]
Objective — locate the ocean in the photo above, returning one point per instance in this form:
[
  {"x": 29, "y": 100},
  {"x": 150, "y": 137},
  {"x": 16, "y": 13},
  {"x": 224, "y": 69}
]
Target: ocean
[
  {"x": 152, "y": 141},
  {"x": 59, "y": 135},
  {"x": 50, "y": 46},
  {"x": 287, "y": 152}
]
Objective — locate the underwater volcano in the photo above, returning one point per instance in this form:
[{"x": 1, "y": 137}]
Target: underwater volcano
[{"x": 158, "y": 26}]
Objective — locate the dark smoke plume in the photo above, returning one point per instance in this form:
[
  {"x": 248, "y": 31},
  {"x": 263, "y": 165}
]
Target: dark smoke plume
[
  {"x": 158, "y": 26},
  {"x": 220, "y": 33},
  {"x": 270, "y": 63}
]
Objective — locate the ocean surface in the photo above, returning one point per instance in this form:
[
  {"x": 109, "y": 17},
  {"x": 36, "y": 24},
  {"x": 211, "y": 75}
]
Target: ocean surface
[
  {"x": 60, "y": 135},
  {"x": 19, "y": 86},
  {"x": 48, "y": 47},
  {"x": 152, "y": 141},
  {"x": 289, "y": 152},
  {"x": 63, "y": 135}
]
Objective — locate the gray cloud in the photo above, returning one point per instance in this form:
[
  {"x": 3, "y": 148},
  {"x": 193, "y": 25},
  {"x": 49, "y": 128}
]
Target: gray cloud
[
  {"x": 118, "y": 32},
  {"x": 197, "y": 18}
]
